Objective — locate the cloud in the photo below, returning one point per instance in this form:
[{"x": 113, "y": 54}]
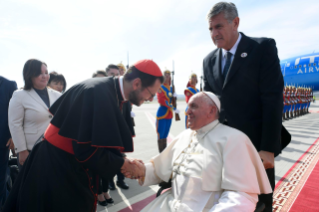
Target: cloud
[
  {"x": 291, "y": 23},
  {"x": 79, "y": 37}
]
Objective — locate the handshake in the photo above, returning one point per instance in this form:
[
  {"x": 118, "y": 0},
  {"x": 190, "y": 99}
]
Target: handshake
[{"x": 134, "y": 169}]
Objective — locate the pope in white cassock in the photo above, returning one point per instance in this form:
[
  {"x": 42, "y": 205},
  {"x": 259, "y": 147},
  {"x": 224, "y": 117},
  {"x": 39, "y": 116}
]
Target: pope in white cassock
[{"x": 213, "y": 167}]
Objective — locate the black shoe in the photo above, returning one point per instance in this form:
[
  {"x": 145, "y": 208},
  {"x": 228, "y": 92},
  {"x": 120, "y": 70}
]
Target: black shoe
[
  {"x": 122, "y": 185},
  {"x": 102, "y": 203},
  {"x": 111, "y": 185},
  {"x": 110, "y": 201}
]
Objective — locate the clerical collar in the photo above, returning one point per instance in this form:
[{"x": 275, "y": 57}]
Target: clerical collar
[
  {"x": 207, "y": 128},
  {"x": 121, "y": 81},
  {"x": 234, "y": 48}
]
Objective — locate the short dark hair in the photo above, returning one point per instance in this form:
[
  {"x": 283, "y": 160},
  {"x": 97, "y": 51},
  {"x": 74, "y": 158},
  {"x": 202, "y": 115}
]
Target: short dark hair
[
  {"x": 147, "y": 80},
  {"x": 99, "y": 72},
  {"x": 111, "y": 66},
  {"x": 55, "y": 77},
  {"x": 32, "y": 68}
]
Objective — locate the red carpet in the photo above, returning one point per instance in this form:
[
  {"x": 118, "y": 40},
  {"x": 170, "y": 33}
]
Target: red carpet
[
  {"x": 139, "y": 205},
  {"x": 297, "y": 191},
  {"x": 308, "y": 198}
]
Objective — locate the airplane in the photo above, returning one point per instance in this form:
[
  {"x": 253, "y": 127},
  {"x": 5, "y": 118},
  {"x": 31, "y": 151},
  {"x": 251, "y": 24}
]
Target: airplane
[{"x": 301, "y": 71}]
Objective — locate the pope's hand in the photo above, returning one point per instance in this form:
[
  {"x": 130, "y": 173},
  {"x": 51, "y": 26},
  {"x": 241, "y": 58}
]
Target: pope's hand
[
  {"x": 134, "y": 169},
  {"x": 268, "y": 159},
  {"x": 132, "y": 114}
]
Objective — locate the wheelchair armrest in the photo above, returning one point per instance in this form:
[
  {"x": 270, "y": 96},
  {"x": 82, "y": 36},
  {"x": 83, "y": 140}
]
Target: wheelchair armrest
[{"x": 163, "y": 185}]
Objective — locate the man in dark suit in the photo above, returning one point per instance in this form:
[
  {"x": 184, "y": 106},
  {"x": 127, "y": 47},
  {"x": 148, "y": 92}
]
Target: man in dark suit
[
  {"x": 6, "y": 90},
  {"x": 245, "y": 74}
]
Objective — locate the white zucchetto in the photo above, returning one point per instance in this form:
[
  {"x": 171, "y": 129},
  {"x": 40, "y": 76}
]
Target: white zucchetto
[{"x": 214, "y": 98}]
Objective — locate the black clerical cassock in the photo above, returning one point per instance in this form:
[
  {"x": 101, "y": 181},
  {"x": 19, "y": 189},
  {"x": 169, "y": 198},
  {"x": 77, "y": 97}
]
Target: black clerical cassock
[{"x": 84, "y": 139}]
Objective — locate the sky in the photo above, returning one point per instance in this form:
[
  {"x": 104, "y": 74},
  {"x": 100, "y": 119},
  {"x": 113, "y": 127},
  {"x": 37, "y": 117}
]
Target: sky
[{"x": 77, "y": 38}]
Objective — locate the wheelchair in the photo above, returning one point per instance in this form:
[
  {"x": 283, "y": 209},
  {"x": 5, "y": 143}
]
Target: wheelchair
[
  {"x": 13, "y": 172},
  {"x": 260, "y": 207}
]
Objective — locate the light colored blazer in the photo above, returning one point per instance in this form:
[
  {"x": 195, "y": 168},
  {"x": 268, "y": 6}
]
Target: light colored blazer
[{"x": 29, "y": 117}]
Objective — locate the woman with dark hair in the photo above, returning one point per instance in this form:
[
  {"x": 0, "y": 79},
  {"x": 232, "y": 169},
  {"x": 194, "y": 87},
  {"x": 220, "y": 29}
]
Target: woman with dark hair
[
  {"x": 29, "y": 114},
  {"x": 57, "y": 82}
]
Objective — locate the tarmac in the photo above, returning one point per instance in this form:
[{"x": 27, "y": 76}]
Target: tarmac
[{"x": 304, "y": 131}]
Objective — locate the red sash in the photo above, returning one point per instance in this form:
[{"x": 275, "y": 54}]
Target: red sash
[{"x": 52, "y": 136}]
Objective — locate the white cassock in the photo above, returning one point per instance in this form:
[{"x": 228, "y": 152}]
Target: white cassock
[{"x": 215, "y": 168}]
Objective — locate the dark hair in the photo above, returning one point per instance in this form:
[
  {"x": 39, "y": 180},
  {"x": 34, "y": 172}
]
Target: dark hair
[
  {"x": 111, "y": 66},
  {"x": 147, "y": 80},
  {"x": 55, "y": 77},
  {"x": 99, "y": 72},
  {"x": 32, "y": 68}
]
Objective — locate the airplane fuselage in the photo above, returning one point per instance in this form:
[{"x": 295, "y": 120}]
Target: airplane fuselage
[{"x": 301, "y": 71}]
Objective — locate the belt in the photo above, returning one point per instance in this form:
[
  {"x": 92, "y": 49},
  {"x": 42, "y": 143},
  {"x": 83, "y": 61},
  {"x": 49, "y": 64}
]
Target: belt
[{"x": 52, "y": 136}]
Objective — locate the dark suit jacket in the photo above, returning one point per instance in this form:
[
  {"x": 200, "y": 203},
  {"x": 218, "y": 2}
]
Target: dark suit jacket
[
  {"x": 7, "y": 88},
  {"x": 251, "y": 95}
]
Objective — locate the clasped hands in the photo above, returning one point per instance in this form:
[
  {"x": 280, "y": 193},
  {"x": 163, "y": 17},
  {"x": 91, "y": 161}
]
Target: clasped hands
[{"x": 133, "y": 168}]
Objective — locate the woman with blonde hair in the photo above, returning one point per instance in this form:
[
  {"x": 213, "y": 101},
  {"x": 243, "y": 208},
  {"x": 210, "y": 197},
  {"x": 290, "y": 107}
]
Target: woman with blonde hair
[{"x": 190, "y": 91}]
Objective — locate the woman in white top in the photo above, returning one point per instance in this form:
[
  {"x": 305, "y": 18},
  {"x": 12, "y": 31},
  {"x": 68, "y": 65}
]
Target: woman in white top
[{"x": 28, "y": 109}]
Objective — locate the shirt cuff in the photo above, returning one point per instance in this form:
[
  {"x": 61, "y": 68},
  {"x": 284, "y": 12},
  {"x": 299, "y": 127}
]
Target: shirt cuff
[
  {"x": 20, "y": 148},
  {"x": 150, "y": 176}
]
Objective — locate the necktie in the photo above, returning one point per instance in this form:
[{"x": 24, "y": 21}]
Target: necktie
[{"x": 227, "y": 65}]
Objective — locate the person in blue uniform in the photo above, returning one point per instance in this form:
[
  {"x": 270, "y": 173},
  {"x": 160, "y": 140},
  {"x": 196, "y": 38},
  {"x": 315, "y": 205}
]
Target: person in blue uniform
[
  {"x": 165, "y": 111},
  {"x": 309, "y": 98},
  {"x": 284, "y": 104},
  {"x": 294, "y": 101},
  {"x": 190, "y": 91}
]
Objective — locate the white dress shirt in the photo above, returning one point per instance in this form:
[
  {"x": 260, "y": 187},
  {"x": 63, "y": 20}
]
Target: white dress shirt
[
  {"x": 121, "y": 79},
  {"x": 232, "y": 51}
]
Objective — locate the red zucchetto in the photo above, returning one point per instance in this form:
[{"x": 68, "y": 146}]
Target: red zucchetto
[{"x": 148, "y": 67}]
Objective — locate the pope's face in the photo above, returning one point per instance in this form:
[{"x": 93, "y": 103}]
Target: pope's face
[
  {"x": 198, "y": 111},
  {"x": 223, "y": 33}
]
